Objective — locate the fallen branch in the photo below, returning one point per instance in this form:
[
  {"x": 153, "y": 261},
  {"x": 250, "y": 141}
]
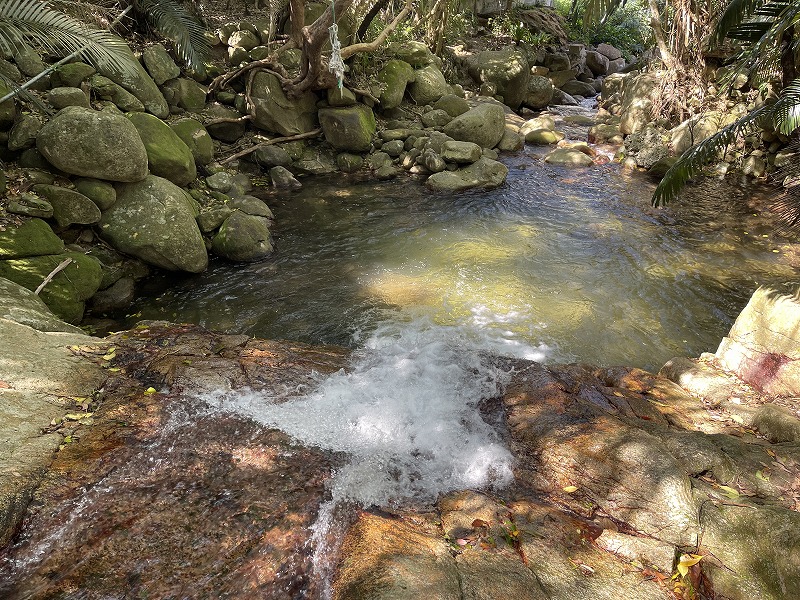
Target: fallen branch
[
  {"x": 229, "y": 120},
  {"x": 266, "y": 64},
  {"x": 61, "y": 266},
  {"x": 378, "y": 41},
  {"x": 280, "y": 140},
  {"x": 366, "y": 93}
]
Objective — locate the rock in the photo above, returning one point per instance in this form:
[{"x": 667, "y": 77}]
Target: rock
[
  {"x": 615, "y": 66},
  {"x": 185, "y": 93},
  {"x": 159, "y": 64},
  {"x": 386, "y": 171},
  {"x": 61, "y": 97},
  {"x": 154, "y": 220},
  {"x": 228, "y": 132},
  {"x": 414, "y": 53},
  {"x": 647, "y": 146},
  {"x": 30, "y": 205},
  {"x": 508, "y": 69},
  {"x": 272, "y": 156},
  {"x": 483, "y": 125},
  {"x": 605, "y": 133},
  {"x": 8, "y": 109},
  {"x": 101, "y": 193},
  {"x": 138, "y": 83},
  {"x": 432, "y": 161},
  {"x": 118, "y": 296},
  {"x": 220, "y": 182},
  {"x": 315, "y": 161},
  {"x": 597, "y": 62},
  {"x": 282, "y": 178},
  {"x": 579, "y": 88},
  {"x": 349, "y": 163},
  {"x": 31, "y": 238},
  {"x": 349, "y": 128},
  {"x": 237, "y": 56},
  {"x": 696, "y": 129},
  {"x": 543, "y": 137},
  {"x": 23, "y": 133},
  {"x": 340, "y": 97},
  {"x": 609, "y": 51},
  {"x": 89, "y": 143},
  {"x": 106, "y": 89},
  {"x": 461, "y": 152},
  {"x": 275, "y": 112},
  {"x": 539, "y": 92},
  {"x": 762, "y": 347},
  {"x": 428, "y": 86},
  {"x": 637, "y": 101},
  {"x": 568, "y": 157},
  {"x": 72, "y": 74},
  {"x": 511, "y": 141},
  {"x": 167, "y": 155},
  {"x": 557, "y": 61},
  {"x": 67, "y": 292},
  {"x": 28, "y": 60},
  {"x": 20, "y": 305},
  {"x": 543, "y": 121},
  {"x": 243, "y": 238},
  {"x": 10, "y": 71},
  {"x": 197, "y": 139},
  {"x": 660, "y": 167},
  {"x": 69, "y": 207},
  {"x": 436, "y": 118},
  {"x": 561, "y": 97},
  {"x": 244, "y": 39},
  {"x": 211, "y": 219},
  {"x": 393, "y": 148},
  {"x": 484, "y": 173},
  {"x": 453, "y": 105},
  {"x": 250, "y": 205}
]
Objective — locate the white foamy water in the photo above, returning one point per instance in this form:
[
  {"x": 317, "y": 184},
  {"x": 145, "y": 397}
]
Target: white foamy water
[{"x": 405, "y": 415}]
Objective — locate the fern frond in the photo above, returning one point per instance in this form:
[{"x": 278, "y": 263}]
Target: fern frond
[
  {"x": 173, "y": 21},
  {"x": 55, "y": 33}
]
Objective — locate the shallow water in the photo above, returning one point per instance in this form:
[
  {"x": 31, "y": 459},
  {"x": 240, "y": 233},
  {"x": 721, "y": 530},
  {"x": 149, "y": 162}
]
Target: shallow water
[{"x": 557, "y": 265}]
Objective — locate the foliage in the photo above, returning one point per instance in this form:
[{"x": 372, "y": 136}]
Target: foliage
[
  {"x": 173, "y": 21},
  {"x": 31, "y": 22},
  {"x": 508, "y": 27},
  {"x": 626, "y": 28}
]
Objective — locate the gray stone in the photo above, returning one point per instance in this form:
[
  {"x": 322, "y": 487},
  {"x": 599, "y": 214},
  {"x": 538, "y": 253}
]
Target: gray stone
[
  {"x": 698, "y": 128},
  {"x": 30, "y": 205},
  {"x": 28, "y": 61},
  {"x": 511, "y": 141},
  {"x": 615, "y": 66},
  {"x": 237, "y": 55},
  {"x": 460, "y": 152},
  {"x": 72, "y": 74},
  {"x": 315, "y": 161},
  {"x": 561, "y": 97},
  {"x": 89, "y": 143},
  {"x": 244, "y": 39},
  {"x": 250, "y": 205},
  {"x": 436, "y": 118},
  {"x": 160, "y": 64},
  {"x": 20, "y": 305},
  {"x": 637, "y": 102},
  {"x": 349, "y": 128},
  {"x": 508, "y": 69},
  {"x": 23, "y": 133},
  {"x": 579, "y": 88},
  {"x": 154, "y": 220},
  {"x": 483, "y": 125},
  {"x": 228, "y": 131},
  {"x": 432, "y": 161},
  {"x": 243, "y": 238},
  {"x": 414, "y": 53},
  {"x": 393, "y": 148},
  {"x": 118, "y": 296},
  {"x": 8, "y": 109},
  {"x": 557, "y": 61},
  {"x": 568, "y": 157},
  {"x": 386, "y": 171},
  {"x": 272, "y": 156},
  {"x": 69, "y": 207},
  {"x": 220, "y": 182},
  {"x": 106, "y": 89},
  {"x": 341, "y": 97},
  {"x": 211, "y": 219},
  {"x": 282, "y": 178},
  {"x": 609, "y": 51},
  {"x": 453, "y": 105},
  {"x": 275, "y": 112},
  {"x": 186, "y": 93},
  {"x": 61, "y": 97},
  {"x": 540, "y": 92},
  {"x": 197, "y": 139},
  {"x": 484, "y": 173},
  {"x": 597, "y": 62},
  {"x": 349, "y": 163},
  {"x": 102, "y": 193},
  {"x": 32, "y": 237},
  {"x": 167, "y": 155},
  {"x": 428, "y": 86}
]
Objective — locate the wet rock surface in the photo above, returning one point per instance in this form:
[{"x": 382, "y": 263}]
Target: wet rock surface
[{"x": 618, "y": 473}]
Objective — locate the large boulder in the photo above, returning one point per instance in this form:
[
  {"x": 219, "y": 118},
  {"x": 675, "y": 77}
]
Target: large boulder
[
  {"x": 89, "y": 143},
  {"x": 637, "y": 102},
  {"x": 428, "y": 86},
  {"x": 694, "y": 130},
  {"x": 417, "y": 54},
  {"x": 484, "y": 173},
  {"x": 69, "y": 207},
  {"x": 348, "y": 128},
  {"x": 21, "y": 305},
  {"x": 597, "y": 62},
  {"x": 160, "y": 64},
  {"x": 106, "y": 89},
  {"x": 243, "y": 238},
  {"x": 136, "y": 80},
  {"x": 484, "y": 125},
  {"x": 167, "y": 155},
  {"x": 68, "y": 290},
  {"x": 539, "y": 92},
  {"x": 508, "y": 69},
  {"x": 186, "y": 93},
  {"x": 196, "y": 138},
  {"x": 154, "y": 220},
  {"x": 228, "y": 128},
  {"x": 394, "y": 77},
  {"x": 31, "y": 238},
  {"x": 276, "y": 113},
  {"x": 579, "y": 88}
]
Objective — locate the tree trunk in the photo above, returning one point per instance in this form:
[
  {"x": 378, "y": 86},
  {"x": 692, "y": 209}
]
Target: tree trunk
[
  {"x": 658, "y": 33},
  {"x": 373, "y": 12},
  {"x": 788, "y": 68},
  {"x": 297, "y": 18}
]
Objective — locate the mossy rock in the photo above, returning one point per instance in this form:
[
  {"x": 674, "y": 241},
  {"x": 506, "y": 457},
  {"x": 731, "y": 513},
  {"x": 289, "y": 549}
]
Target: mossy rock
[
  {"x": 69, "y": 207},
  {"x": 395, "y": 76},
  {"x": 167, "y": 155},
  {"x": 348, "y": 128},
  {"x": 66, "y": 294},
  {"x": 32, "y": 238},
  {"x": 196, "y": 138},
  {"x": 243, "y": 238},
  {"x": 102, "y": 193},
  {"x": 72, "y": 75}
]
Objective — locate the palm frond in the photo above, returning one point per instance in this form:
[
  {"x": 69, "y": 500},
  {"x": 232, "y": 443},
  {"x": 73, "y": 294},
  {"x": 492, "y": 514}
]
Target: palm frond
[
  {"x": 785, "y": 112},
  {"x": 173, "y": 21},
  {"x": 55, "y": 33},
  {"x": 733, "y": 16}
]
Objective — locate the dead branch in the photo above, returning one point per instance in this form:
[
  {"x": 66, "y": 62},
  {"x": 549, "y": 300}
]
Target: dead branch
[
  {"x": 366, "y": 93},
  {"x": 61, "y": 266},
  {"x": 376, "y": 43},
  {"x": 280, "y": 140},
  {"x": 229, "y": 120},
  {"x": 266, "y": 64}
]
